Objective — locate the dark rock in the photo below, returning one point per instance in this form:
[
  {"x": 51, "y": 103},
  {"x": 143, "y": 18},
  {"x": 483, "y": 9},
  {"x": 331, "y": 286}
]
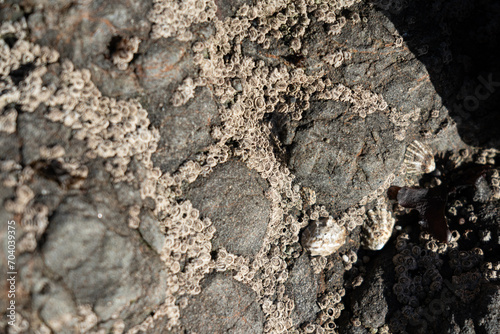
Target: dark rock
[
  {"x": 9, "y": 147},
  {"x": 488, "y": 312},
  {"x": 232, "y": 196},
  {"x": 225, "y": 306},
  {"x": 302, "y": 287},
  {"x": 343, "y": 157},
  {"x": 373, "y": 302},
  {"x": 184, "y": 130},
  {"x": 369, "y": 301}
]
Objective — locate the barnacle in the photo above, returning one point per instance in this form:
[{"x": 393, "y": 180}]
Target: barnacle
[
  {"x": 324, "y": 237},
  {"x": 419, "y": 158},
  {"x": 378, "y": 229}
]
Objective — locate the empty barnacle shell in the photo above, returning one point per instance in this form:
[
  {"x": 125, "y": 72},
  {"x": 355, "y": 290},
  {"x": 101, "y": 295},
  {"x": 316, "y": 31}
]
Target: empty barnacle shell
[
  {"x": 419, "y": 158},
  {"x": 323, "y": 237},
  {"x": 378, "y": 229}
]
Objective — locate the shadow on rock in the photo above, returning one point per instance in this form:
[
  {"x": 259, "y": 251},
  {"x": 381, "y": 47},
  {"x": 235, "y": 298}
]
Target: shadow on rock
[{"x": 457, "y": 42}]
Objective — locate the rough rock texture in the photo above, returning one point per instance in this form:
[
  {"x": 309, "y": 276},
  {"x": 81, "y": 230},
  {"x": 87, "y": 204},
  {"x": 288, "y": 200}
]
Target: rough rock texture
[
  {"x": 224, "y": 305},
  {"x": 88, "y": 248},
  {"x": 329, "y": 153},
  {"x": 369, "y": 301},
  {"x": 303, "y": 287},
  {"x": 184, "y": 131},
  {"x": 257, "y": 118},
  {"x": 233, "y": 198}
]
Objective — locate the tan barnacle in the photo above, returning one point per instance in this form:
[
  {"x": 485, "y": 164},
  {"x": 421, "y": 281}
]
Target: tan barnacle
[
  {"x": 324, "y": 237},
  {"x": 378, "y": 229},
  {"x": 419, "y": 158}
]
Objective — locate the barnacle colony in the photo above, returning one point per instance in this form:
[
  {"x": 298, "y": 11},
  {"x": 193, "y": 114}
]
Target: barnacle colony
[
  {"x": 324, "y": 236},
  {"x": 378, "y": 229},
  {"x": 419, "y": 158}
]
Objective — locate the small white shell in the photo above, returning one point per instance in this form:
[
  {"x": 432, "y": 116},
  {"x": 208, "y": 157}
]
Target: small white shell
[
  {"x": 419, "y": 158},
  {"x": 324, "y": 237},
  {"x": 378, "y": 229}
]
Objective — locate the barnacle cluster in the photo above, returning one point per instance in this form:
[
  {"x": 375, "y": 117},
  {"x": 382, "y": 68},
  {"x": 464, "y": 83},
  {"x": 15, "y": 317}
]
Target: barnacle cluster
[
  {"x": 174, "y": 18},
  {"x": 124, "y": 53},
  {"x": 246, "y": 88},
  {"x": 331, "y": 306},
  {"x": 364, "y": 102},
  {"x": 418, "y": 277},
  {"x": 117, "y": 131}
]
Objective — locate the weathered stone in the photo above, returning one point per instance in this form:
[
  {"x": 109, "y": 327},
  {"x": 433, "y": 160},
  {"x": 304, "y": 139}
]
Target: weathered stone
[
  {"x": 184, "y": 130},
  {"x": 90, "y": 258},
  {"x": 302, "y": 287},
  {"x": 343, "y": 157},
  {"x": 163, "y": 63},
  {"x": 38, "y": 131},
  {"x": 224, "y": 305},
  {"x": 369, "y": 302},
  {"x": 232, "y": 196}
]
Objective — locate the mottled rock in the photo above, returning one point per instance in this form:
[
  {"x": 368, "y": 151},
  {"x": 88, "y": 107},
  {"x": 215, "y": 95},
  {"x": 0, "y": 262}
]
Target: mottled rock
[
  {"x": 341, "y": 156},
  {"x": 302, "y": 287},
  {"x": 184, "y": 130},
  {"x": 90, "y": 258},
  {"x": 85, "y": 34},
  {"x": 150, "y": 231},
  {"x": 370, "y": 303},
  {"x": 37, "y": 131},
  {"x": 232, "y": 196},
  {"x": 9, "y": 147},
  {"x": 164, "y": 62},
  {"x": 225, "y": 306}
]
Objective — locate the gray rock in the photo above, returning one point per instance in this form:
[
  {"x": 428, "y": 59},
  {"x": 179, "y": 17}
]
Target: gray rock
[
  {"x": 342, "y": 157},
  {"x": 55, "y": 306},
  {"x": 90, "y": 258},
  {"x": 86, "y": 35},
  {"x": 163, "y": 63},
  {"x": 302, "y": 287},
  {"x": 9, "y": 147},
  {"x": 184, "y": 130},
  {"x": 232, "y": 196},
  {"x": 224, "y": 305},
  {"x": 150, "y": 231},
  {"x": 38, "y": 131}
]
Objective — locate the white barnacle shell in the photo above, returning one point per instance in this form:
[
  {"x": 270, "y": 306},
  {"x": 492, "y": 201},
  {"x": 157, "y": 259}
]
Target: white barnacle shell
[
  {"x": 419, "y": 158},
  {"x": 378, "y": 229},
  {"x": 324, "y": 237}
]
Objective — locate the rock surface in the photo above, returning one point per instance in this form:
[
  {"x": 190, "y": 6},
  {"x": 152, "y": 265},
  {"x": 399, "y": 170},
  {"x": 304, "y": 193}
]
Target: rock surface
[{"x": 163, "y": 188}]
